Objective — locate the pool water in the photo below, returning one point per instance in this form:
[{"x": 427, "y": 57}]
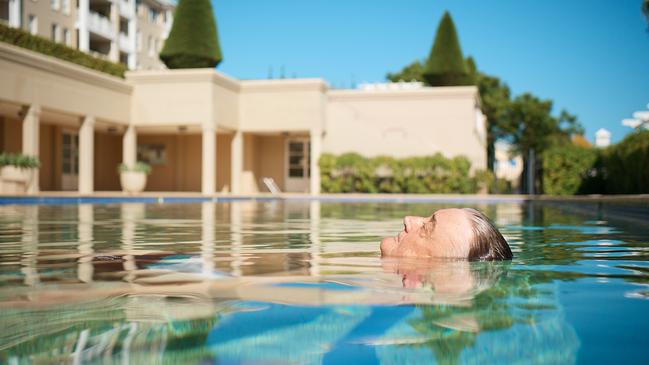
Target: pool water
[{"x": 302, "y": 282}]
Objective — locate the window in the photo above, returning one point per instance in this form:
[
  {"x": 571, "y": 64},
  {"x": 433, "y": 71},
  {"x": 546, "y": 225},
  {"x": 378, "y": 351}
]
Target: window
[
  {"x": 65, "y": 6},
  {"x": 32, "y": 24},
  {"x": 55, "y": 4},
  {"x": 153, "y": 15},
  {"x": 55, "y": 32},
  {"x": 66, "y": 37}
]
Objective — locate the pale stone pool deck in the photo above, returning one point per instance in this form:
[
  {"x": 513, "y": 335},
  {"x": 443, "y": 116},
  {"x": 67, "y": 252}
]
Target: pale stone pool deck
[{"x": 163, "y": 195}]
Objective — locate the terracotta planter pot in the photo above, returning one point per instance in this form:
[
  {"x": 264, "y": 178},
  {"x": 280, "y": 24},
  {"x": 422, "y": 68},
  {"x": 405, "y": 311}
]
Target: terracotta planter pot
[{"x": 133, "y": 182}]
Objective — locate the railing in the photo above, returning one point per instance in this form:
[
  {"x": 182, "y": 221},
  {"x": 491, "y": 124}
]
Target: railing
[
  {"x": 101, "y": 25},
  {"x": 125, "y": 44},
  {"x": 126, "y": 9}
]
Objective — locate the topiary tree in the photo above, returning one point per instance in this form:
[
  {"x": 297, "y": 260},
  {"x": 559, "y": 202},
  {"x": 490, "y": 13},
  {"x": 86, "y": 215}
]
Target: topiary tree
[
  {"x": 193, "y": 41},
  {"x": 445, "y": 65}
]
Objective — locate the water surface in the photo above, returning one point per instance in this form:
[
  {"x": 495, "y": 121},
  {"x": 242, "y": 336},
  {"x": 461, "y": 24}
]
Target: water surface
[{"x": 301, "y": 282}]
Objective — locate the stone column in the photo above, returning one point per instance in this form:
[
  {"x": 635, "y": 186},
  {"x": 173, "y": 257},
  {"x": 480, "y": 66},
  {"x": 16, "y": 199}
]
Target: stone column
[
  {"x": 316, "y": 148},
  {"x": 87, "y": 155},
  {"x": 31, "y": 142},
  {"x": 236, "y": 162},
  {"x": 82, "y": 25},
  {"x": 129, "y": 146},
  {"x": 208, "y": 180}
]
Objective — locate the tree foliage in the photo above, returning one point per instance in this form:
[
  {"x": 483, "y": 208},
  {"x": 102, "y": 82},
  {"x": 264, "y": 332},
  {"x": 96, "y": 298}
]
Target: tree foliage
[
  {"x": 445, "y": 65},
  {"x": 193, "y": 40},
  {"x": 531, "y": 125},
  {"x": 412, "y": 72},
  {"x": 645, "y": 9}
]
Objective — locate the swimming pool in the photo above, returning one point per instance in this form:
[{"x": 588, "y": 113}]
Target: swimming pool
[{"x": 301, "y": 282}]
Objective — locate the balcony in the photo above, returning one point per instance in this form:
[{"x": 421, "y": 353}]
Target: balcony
[
  {"x": 101, "y": 25},
  {"x": 125, "y": 44},
  {"x": 126, "y": 9}
]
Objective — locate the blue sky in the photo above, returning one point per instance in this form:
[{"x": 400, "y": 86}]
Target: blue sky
[{"x": 590, "y": 57}]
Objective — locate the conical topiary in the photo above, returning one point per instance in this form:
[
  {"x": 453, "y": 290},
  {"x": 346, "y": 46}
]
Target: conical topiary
[
  {"x": 193, "y": 41},
  {"x": 445, "y": 65}
]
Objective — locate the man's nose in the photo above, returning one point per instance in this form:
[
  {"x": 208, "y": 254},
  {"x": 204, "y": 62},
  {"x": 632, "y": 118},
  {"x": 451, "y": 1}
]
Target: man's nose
[{"x": 412, "y": 222}]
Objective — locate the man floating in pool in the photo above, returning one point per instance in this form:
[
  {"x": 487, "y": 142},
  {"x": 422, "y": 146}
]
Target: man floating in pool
[{"x": 462, "y": 233}]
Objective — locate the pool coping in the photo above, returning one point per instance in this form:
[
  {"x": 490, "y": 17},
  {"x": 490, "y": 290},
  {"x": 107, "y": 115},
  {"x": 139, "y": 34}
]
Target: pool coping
[{"x": 54, "y": 198}]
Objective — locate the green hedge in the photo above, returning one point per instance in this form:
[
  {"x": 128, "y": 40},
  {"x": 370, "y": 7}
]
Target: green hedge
[
  {"x": 622, "y": 168},
  {"x": 45, "y": 46},
  {"x": 351, "y": 172},
  {"x": 566, "y": 168},
  {"x": 626, "y": 165}
]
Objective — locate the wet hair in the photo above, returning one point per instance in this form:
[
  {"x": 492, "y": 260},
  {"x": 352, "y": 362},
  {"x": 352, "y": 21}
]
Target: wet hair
[{"x": 488, "y": 243}]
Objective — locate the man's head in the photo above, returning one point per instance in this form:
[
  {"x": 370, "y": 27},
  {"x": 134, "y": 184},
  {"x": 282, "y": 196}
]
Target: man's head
[{"x": 448, "y": 233}]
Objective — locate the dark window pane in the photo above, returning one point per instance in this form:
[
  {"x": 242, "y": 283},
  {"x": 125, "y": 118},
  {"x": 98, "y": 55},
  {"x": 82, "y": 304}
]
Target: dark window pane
[
  {"x": 295, "y": 147},
  {"x": 295, "y": 172},
  {"x": 295, "y": 160}
]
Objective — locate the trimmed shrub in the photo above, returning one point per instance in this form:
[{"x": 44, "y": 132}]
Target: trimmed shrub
[
  {"x": 193, "y": 40},
  {"x": 45, "y": 46},
  {"x": 351, "y": 172},
  {"x": 446, "y": 65}
]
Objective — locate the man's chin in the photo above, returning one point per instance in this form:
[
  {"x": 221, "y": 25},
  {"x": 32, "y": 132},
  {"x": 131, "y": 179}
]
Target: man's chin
[{"x": 388, "y": 244}]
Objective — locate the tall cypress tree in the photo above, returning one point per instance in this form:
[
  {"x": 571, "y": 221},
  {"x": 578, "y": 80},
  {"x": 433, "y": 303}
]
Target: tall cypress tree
[
  {"x": 445, "y": 65},
  {"x": 193, "y": 41}
]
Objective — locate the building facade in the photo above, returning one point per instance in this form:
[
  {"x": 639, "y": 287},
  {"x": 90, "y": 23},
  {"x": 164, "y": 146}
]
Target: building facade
[
  {"x": 204, "y": 131},
  {"x": 128, "y": 31}
]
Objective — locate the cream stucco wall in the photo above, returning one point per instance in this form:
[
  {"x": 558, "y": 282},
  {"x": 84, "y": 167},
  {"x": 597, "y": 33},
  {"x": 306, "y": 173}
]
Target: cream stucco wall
[
  {"x": 406, "y": 123},
  {"x": 282, "y": 105},
  {"x": 189, "y": 97},
  {"x": 30, "y": 78}
]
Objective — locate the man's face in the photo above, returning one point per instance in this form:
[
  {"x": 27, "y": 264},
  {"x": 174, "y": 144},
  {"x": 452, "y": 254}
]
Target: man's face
[{"x": 447, "y": 233}]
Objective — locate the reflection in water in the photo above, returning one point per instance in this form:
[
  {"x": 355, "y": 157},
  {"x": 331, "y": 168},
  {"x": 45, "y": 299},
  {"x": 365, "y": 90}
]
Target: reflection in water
[{"x": 301, "y": 282}]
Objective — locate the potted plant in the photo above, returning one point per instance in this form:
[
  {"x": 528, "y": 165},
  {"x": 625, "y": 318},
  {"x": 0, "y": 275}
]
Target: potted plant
[
  {"x": 133, "y": 178},
  {"x": 17, "y": 172}
]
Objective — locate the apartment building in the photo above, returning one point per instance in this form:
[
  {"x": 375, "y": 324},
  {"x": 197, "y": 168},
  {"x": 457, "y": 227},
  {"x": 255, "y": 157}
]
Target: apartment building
[{"x": 128, "y": 31}]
